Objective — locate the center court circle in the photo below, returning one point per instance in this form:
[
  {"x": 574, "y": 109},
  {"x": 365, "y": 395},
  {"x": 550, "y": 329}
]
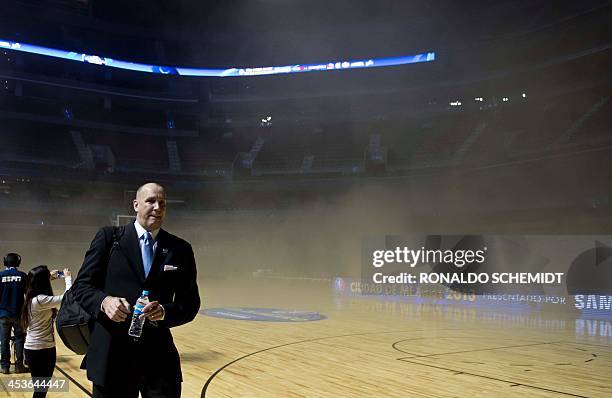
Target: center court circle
[{"x": 263, "y": 314}]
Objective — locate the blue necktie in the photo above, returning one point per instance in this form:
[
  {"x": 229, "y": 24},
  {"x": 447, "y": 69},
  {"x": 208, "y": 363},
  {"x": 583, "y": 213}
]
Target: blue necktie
[{"x": 147, "y": 252}]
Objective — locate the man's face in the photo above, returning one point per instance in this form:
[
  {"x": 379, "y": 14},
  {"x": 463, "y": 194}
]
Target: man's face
[{"x": 150, "y": 206}]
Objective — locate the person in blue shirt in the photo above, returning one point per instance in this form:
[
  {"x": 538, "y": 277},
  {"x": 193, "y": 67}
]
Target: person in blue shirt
[{"x": 12, "y": 290}]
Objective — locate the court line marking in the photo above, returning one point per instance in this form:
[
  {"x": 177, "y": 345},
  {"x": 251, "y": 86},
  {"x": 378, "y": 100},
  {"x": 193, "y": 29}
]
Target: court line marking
[
  {"x": 463, "y": 352},
  {"x": 86, "y": 391},
  {"x": 511, "y": 383},
  {"x": 588, "y": 344},
  {"x": 212, "y": 376},
  {"x": 63, "y": 372}
]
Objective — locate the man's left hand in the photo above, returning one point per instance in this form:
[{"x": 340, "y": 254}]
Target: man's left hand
[{"x": 153, "y": 311}]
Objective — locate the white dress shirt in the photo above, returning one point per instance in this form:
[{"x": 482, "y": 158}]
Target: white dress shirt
[{"x": 140, "y": 231}]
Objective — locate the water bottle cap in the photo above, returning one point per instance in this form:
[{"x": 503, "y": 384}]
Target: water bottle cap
[{"x": 145, "y": 292}]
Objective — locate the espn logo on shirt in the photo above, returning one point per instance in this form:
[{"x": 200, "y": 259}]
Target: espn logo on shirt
[{"x": 11, "y": 279}]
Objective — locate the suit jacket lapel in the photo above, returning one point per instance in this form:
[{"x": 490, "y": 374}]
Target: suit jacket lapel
[{"x": 131, "y": 247}]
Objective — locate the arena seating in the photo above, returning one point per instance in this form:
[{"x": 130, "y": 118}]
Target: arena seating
[
  {"x": 36, "y": 143},
  {"x": 212, "y": 156}
]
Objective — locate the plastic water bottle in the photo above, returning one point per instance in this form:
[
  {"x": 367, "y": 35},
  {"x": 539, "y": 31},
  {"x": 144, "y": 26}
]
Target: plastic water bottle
[{"x": 137, "y": 323}]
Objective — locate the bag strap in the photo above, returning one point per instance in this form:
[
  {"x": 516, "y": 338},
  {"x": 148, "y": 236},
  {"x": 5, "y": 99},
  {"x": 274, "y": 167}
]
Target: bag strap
[{"x": 117, "y": 233}]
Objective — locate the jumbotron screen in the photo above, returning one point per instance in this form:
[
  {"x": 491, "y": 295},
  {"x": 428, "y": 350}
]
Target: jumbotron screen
[{"x": 224, "y": 72}]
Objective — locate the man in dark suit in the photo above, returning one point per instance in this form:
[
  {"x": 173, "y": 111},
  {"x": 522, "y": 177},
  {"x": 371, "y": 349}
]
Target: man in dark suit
[{"x": 144, "y": 257}]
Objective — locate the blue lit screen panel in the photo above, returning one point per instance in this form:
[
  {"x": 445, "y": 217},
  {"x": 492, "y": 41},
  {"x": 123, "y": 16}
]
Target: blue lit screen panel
[{"x": 226, "y": 72}]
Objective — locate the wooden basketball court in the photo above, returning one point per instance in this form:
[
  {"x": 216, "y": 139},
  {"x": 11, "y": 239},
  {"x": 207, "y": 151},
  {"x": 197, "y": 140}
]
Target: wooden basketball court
[{"x": 374, "y": 347}]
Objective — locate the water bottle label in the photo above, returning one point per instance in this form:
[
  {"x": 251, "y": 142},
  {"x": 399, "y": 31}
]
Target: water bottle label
[{"x": 138, "y": 309}]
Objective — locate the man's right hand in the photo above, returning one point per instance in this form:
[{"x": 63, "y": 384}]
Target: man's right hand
[{"x": 116, "y": 308}]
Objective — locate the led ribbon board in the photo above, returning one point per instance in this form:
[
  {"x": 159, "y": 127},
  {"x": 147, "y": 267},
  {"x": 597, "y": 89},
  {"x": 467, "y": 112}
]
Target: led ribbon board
[{"x": 228, "y": 72}]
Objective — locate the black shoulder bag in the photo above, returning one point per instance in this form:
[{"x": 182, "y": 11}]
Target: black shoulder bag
[{"x": 73, "y": 323}]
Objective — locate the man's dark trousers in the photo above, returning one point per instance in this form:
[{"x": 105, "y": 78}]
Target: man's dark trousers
[{"x": 6, "y": 324}]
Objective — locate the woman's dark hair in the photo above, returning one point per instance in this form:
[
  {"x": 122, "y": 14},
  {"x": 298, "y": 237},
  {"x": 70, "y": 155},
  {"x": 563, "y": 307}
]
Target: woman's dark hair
[{"x": 38, "y": 282}]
